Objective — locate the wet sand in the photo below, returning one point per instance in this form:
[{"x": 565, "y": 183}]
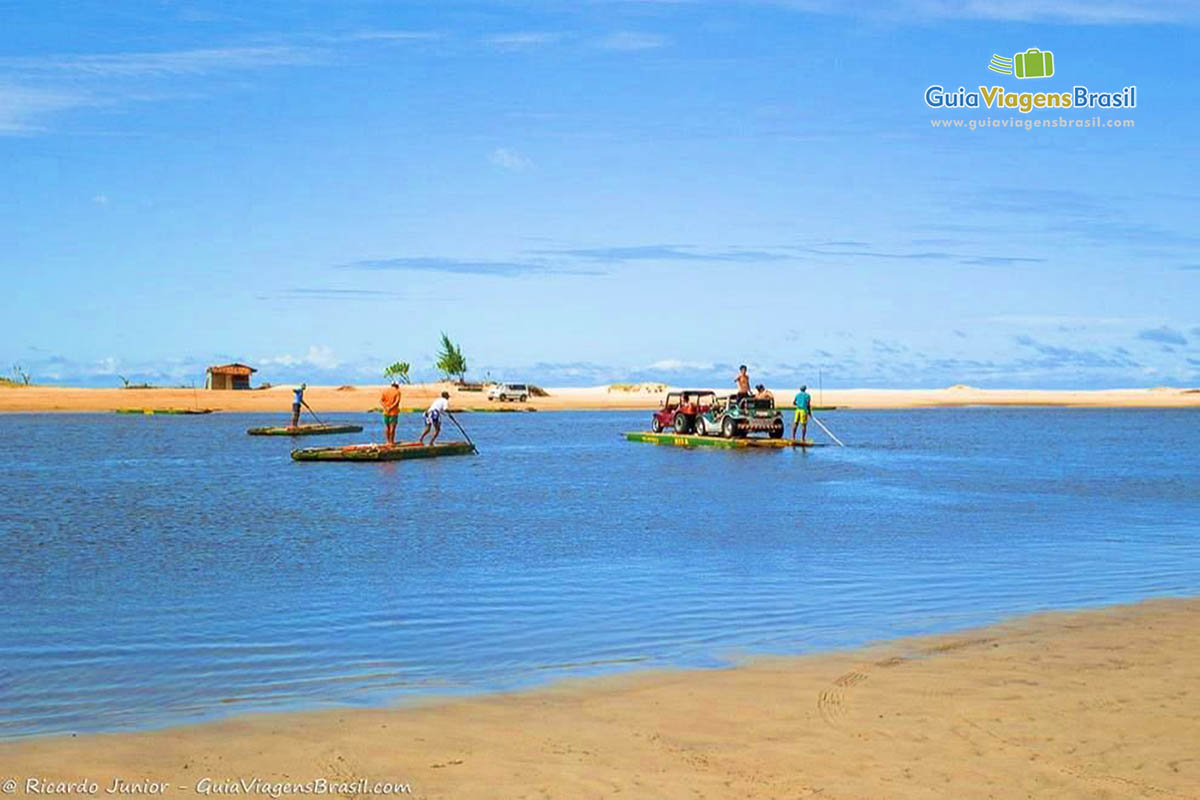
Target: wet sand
[
  {"x": 1094, "y": 704},
  {"x": 278, "y": 399}
]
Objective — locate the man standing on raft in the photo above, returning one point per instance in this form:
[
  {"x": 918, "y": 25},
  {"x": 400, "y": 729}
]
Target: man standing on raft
[
  {"x": 390, "y": 400},
  {"x": 742, "y": 379},
  {"x": 803, "y": 404},
  {"x": 297, "y": 402},
  {"x": 433, "y": 417}
]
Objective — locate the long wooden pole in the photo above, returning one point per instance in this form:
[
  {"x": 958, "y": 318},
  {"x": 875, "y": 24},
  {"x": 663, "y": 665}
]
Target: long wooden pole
[
  {"x": 464, "y": 433},
  {"x": 831, "y": 436},
  {"x": 306, "y": 405}
]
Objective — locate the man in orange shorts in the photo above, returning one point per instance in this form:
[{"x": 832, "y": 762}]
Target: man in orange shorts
[{"x": 390, "y": 400}]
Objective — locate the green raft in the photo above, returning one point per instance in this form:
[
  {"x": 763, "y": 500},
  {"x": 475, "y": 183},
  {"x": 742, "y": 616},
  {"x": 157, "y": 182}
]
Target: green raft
[
  {"x": 304, "y": 430},
  {"x": 164, "y": 411},
  {"x": 383, "y": 452},
  {"x": 692, "y": 440}
]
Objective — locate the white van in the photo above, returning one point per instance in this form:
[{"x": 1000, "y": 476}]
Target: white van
[{"x": 509, "y": 391}]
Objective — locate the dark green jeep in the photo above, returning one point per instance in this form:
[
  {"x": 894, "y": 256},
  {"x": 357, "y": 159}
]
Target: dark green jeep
[{"x": 733, "y": 416}]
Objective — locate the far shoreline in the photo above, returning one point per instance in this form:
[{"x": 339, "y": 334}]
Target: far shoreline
[{"x": 639, "y": 397}]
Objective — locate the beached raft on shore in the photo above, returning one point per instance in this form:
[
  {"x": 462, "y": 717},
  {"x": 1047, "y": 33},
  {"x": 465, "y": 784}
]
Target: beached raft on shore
[
  {"x": 383, "y": 452},
  {"x": 163, "y": 410},
  {"x": 692, "y": 440},
  {"x": 304, "y": 430}
]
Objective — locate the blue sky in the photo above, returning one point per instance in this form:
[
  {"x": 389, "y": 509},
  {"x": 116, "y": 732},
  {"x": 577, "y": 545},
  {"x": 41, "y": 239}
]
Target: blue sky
[{"x": 581, "y": 192}]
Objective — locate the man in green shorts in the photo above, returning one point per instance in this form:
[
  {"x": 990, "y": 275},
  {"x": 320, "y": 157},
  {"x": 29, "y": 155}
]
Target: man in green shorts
[
  {"x": 390, "y": 400},
  {"x": 803, "y": 404}
]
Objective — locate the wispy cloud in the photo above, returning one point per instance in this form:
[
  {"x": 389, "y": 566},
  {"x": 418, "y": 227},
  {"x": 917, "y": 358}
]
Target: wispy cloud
[
  {"x": 1000, "y": 261},
  {"x": 679, "y": 365},
  {"x": 22, "y": 107},
  {"x": 859, "y": 250},
  {"x": 509, "y": 159},
  {"x": 334, "y": 294},
  {"x": 387, "y": 36},
  {"x": 888, "y": 348},
  {"x": 320, "y": 356},
  {"x": 1093, "y": 219},
  {"x": 631, "y": 41},
  {"x": 1057, "y": 357},
  {"x": 40, "y": 86},
  {"x": 663, "y": 252},
  {"x": 918, "y": 256},
  {"x": 1075, "y": 12},
  {"x": 176, "y": 62},
  {"x": 455, "y": 266},
  {"x": 1163, "y": 335},
  {"x": 522, "y": 40}
]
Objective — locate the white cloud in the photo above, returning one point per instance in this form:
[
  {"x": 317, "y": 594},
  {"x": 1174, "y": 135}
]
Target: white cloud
[
  {"x": 677, "y": 365},
  {"x": 320, "y": 356},
  {"x": 100, "y": 199},
  {"x": 509, "y": 159},
  {"x": 21, "y": 107},
  {"x": 630, "y": 41}
]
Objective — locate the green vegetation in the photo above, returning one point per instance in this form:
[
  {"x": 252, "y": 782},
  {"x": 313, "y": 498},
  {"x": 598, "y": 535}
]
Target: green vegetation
[
  {"x": 19, "y": 377},
  {"x": 451, "y": 360},
  {"x": 128, "y": 385},
  {"x": 397, "y": 371},
  {"x": 637, "y": 387}
]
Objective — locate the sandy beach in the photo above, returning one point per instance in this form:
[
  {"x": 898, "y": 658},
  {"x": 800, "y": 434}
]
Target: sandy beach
[
  {"x": 1092, "y": 704},
  {"x": 364, "y": 398}
]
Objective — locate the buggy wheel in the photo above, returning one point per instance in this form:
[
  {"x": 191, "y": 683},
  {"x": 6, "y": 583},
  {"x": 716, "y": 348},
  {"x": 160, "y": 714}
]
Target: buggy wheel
[
  {"x": 655, "y": 425},
  {"x": 777, "y": 431},
  {"x": 524, "y": 397},
  {"x": 728, "y": 428},
  {"x": 681, "y": 423}
]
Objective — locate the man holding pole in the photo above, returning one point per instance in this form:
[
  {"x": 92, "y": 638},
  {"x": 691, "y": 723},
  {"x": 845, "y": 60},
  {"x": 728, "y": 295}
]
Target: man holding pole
[
  {"x": 803, "y": 403},
  {"x": 297, "y": 402},
  {"x": 390, "y": 400},
  {"x": 433, "y": 418}
]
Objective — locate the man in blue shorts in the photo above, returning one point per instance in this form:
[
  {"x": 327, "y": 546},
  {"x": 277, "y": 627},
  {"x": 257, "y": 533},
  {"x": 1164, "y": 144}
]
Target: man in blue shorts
[
  {"x": 433, "y": 418},
  {"x": 803, "y": 404}
]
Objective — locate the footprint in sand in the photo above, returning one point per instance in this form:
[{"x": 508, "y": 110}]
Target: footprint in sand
[{"x": 831, "y": 703}]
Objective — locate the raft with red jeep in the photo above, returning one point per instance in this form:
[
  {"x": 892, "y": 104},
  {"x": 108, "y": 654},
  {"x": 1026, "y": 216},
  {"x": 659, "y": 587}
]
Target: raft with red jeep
[{"x": 692, "y": 440}]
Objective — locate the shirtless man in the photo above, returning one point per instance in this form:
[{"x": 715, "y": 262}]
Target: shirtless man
[{"x": 742, "y": 379}]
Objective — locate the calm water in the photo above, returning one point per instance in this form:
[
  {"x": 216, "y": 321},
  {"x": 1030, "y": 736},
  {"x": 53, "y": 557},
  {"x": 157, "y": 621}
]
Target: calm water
[{"x": 165, "y": 569}]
